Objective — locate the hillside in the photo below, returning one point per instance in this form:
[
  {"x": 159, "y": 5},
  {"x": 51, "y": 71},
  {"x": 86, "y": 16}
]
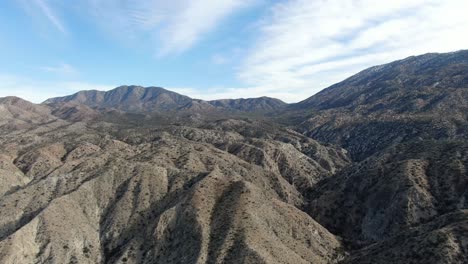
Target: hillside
[
  {"x": 419, "y": 97},
  {"x": 370, "y": 170},
  {"x": 17, "y": 113},
  {"x": 176, "y": 194}
]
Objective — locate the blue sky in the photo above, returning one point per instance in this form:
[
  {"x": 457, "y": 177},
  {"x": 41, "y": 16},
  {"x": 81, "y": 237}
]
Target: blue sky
[{"x": 212, "y": 49}]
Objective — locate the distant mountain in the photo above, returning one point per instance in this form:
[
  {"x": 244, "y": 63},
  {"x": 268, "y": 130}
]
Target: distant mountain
[
  {"x": 128, "y": 98},
  {"x": 251, "y": 104},
  {"x": 150, "y": 99}
]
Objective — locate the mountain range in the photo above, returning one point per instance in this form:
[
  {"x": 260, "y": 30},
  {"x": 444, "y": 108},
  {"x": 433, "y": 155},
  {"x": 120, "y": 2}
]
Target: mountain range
[{"x": 369, "y": 170}]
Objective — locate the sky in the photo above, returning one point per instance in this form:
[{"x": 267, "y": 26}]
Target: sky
[{"x": 214, "y": 49}]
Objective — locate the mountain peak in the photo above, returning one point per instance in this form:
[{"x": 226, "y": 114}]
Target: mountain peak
[{"x": 127, "y": 98}]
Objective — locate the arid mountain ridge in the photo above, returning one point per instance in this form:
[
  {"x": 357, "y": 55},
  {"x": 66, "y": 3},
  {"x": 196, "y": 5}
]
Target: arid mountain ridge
[
  {"x": 156, "y": 99},
  {"x": 373, "y": 169}
]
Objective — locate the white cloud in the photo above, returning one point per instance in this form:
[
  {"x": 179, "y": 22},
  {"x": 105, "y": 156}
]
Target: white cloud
[
  {"x": 62, "y": 69},
  {"x": 38, "y": 91},
  {"x": 304, "y": 46},
  {"x": 219, "y": 59},
  {"x": 228, "y": 56}
]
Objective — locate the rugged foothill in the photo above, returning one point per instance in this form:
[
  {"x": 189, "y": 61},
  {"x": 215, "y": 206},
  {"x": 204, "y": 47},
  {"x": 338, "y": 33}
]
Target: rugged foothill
[{"x": 373, "y": 169}]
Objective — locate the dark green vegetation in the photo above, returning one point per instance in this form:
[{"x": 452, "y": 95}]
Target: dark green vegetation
[{"x": 373, "y": 169}]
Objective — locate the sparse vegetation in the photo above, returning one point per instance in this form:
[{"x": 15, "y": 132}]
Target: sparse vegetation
[{"x": 371, "y": 170}]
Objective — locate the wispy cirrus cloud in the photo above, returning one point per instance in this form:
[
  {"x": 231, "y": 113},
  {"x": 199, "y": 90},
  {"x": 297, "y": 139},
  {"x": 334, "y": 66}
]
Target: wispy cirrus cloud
[
  {"x": 304, "y": 46},
  {"x": 44, "y": 9},
  {"x": 173, "y": 26}
]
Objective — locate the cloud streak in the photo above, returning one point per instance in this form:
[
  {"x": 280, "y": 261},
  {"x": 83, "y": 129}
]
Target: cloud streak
[{"x": 47, "y": 11}]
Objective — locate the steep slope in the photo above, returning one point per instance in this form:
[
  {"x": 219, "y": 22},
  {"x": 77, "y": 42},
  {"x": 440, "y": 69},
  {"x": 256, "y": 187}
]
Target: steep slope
[
  {"x": 405, "y": 125},
  {"x": 373, "y": 87},
  {"x": 419, "y": 97}
]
